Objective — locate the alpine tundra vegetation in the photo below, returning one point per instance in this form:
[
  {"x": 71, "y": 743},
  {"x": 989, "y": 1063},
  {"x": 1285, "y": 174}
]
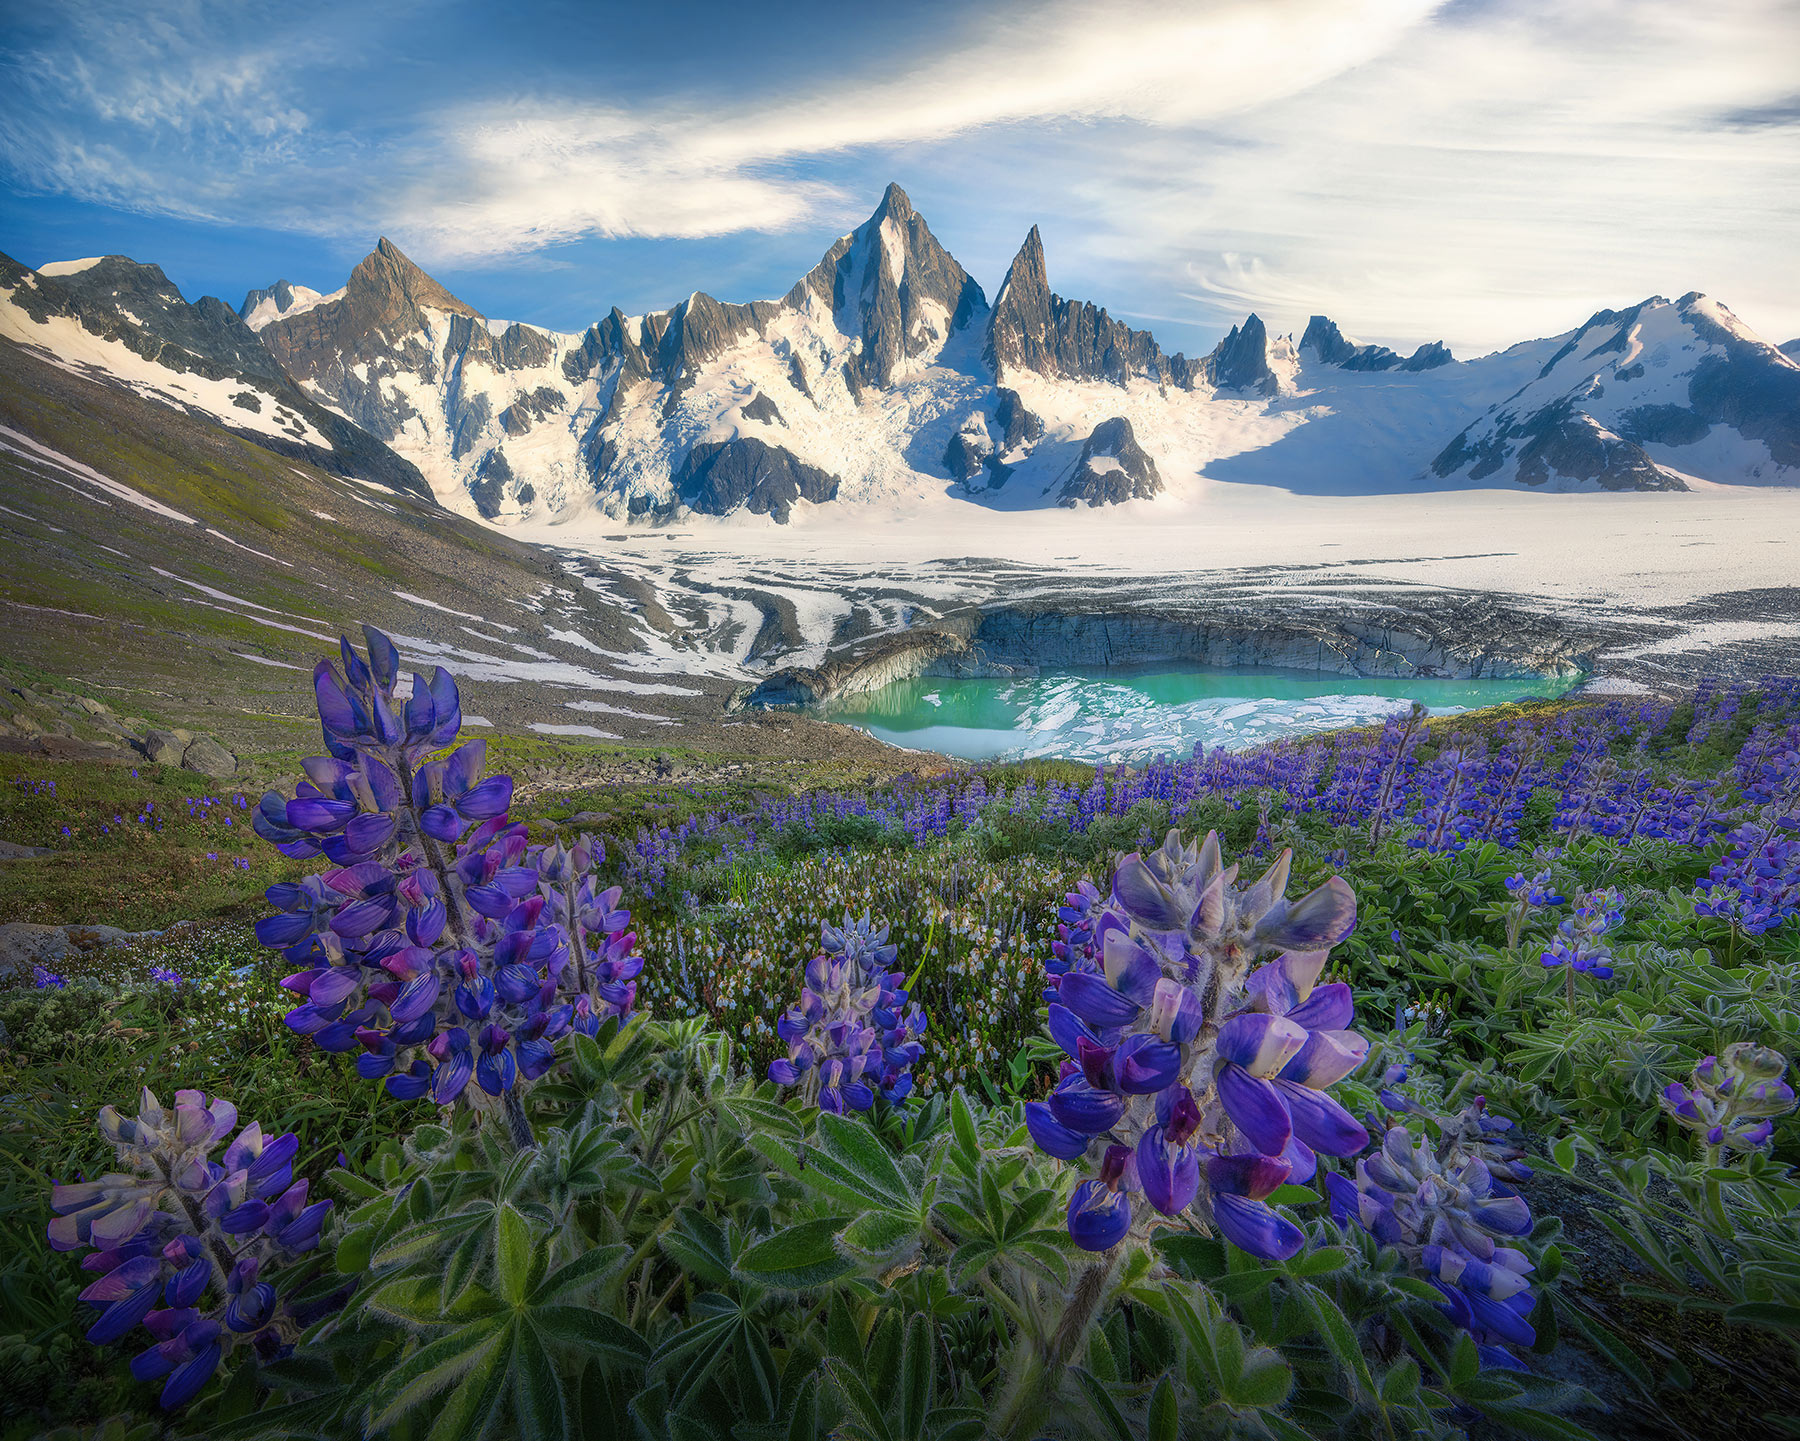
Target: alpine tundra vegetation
[{"x": 1078, "y": 1126}]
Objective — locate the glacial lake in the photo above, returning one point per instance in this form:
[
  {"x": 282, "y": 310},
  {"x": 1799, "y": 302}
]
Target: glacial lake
[{"x": 1132, "y": 716}]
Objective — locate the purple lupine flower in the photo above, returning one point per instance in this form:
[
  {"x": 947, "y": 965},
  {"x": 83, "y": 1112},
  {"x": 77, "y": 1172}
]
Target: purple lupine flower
[
  {"x": 852, "y": 1034},
  {"x": 1444, "y": 1210},
  {"x": 443, "y": 946},
  {"x": 191, "y": 1233},
  {"x": 1578, "y": 942},
  {"x": 1731, "y": 1101},
  {"x": 47, "y": 980},
  {"x": 1207, "y": 1070}
]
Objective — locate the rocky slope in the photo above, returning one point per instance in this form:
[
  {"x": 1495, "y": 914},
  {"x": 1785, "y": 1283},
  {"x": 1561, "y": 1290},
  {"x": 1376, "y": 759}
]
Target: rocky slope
[{"x": 126, "y": 324}]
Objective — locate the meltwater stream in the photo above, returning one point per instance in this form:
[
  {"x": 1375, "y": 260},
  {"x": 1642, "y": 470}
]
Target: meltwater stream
[{"x": 1124, "y": 716}]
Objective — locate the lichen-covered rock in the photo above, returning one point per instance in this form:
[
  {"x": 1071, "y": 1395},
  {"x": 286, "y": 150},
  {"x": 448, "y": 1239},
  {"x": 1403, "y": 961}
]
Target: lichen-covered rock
[
  {"x": 163, "y": 747},
  {"x": 207, "y": 757}
]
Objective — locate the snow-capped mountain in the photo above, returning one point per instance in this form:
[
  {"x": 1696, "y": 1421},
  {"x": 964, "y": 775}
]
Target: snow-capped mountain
[
  {"x": 112, "y": 319},
  {"x": 1643, "y": 399},
  {"x": 884, "y": 378}
]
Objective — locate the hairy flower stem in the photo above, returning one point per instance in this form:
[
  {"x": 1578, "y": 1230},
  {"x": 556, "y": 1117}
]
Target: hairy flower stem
[
  {"x": 518, "y": 1124},
  {"x": 448, "y": 884},
  {"x": 1035, "y": 1383},
  {"x": 1569, "y": 987}
]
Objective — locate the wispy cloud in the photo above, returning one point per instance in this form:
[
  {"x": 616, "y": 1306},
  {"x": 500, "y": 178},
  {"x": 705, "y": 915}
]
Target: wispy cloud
[{"x": 1476, "y": 170}]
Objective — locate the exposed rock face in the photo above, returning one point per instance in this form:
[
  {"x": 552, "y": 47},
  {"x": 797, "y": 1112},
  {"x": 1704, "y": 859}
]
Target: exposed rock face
[
  {"x": 760, "y": 407},
  {"x": 1112, "y": 469},
  {"x": 1018, "y": 425},
  {"x": 1751, "y": 387},
  {"x": 969, "y": 451},
  {"x": 1330, "y": 346},
  {"x": 137, "y": 306},
  {"x": 1241, "y": 359},
  {"x": 1428, "y": 357},
  {"x": 720, "y": 476},
  {"x": 890, "y": 282},
  {"x": 1033, "y": 329},
  {"x": 376, "y": 330},
  {"x": 488, "y": 488}
]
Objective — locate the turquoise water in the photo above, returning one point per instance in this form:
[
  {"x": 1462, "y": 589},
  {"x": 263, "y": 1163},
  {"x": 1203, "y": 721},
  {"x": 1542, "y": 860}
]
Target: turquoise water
[{"x": 1114, "y": 716}]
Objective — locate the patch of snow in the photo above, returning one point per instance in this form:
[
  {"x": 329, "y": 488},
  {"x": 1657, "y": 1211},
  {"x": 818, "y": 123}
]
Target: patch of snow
[
  {"x": 264, "y": 660},
  {"x": 252, "y": 549},
  {"x": 70, "y": 267},
  {"x": 43, "y": 453},
  {"x": 545, "y": 728}
]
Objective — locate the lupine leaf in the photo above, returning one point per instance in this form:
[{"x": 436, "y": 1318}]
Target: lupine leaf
[
  {"x": 542, "y": 1408},
  {"x": 697, "y": 1244},
  {"x": 962, "y": 1125},
  {"x": 1105, "y": 1409},
  {"x": 918, "y": 1375},
  {"x": 471, "y": 1409},
  {"x": 434, "y": 1367},
  {"x": 516, "y": 1257},
  {"x": 798, "y": 1257},
  {"x": 590, "y": 1268},
  {"x": 1165, "y": 1415},
  {"x": 592, "y": 1331}
]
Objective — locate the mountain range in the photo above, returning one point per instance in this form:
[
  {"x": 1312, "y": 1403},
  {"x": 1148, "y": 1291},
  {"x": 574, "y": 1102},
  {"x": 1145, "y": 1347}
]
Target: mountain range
[{"x": 886, "y": 378}]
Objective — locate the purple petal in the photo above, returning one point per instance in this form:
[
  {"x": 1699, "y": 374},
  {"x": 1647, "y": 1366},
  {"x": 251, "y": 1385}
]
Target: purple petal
[
  {"x": 1251, "y": 1226},
  {"x": 1051, "y": 1135},
  {"x": 1259, "y": 1042},
  {"x": 1094, "y": 1001},
  {"x": 1320, "y": 1121},
  {"x": 1256, "y": 1108}
]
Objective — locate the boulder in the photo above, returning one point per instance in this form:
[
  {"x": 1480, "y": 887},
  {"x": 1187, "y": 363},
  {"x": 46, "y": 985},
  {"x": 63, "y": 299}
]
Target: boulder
[
  {"x": 166, "y": 748},
  {"x": 13, "y": 851},
  {"x": 207, "y": 757},
  {"x": 24, "y": 944},
  {"x": 93, "y": 707}
]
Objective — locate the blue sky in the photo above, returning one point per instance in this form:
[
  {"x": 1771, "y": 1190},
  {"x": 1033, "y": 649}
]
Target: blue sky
[{"x": 1467, "y": 169}]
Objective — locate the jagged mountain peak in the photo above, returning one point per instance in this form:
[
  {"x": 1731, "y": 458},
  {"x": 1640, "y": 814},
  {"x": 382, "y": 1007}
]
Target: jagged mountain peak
[
  {"x": 389, "y": 277},
  {"x": 1330, "y": 346},
  {"x": 891, "y": 282},
  {"x": 1034, "y": 329}
]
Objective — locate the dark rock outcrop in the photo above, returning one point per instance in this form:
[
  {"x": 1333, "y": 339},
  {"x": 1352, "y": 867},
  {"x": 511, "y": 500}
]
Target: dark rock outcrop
[
  {"x": 1330, "y": 346},
  {"x": 760, "y": 407},
  {"x": 1113, "y": 468},
  {"x": 969, "y": 452},
  {"x": 1034, "y": 329},
  {"x": 1558, "y": 442},
  {"x": 488, "y": 488},
  {"x": 719, "y": 477},
  {"x": 892, "y": 283},
  {"x": 1018, "y": 425},
  {"x": 1241, "y": 360}
]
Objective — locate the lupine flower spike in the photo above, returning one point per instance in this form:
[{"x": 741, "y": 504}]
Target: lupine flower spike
[
  {"x": 1731, "y": 1101},
  {"x": 185, "y": 1246},
  {"x": 442, "y": 946},
  {"x": 1447, "y": 1209},
  {"x": 1195, "y": 1077},
  {"x": 852, "y": 1034}
]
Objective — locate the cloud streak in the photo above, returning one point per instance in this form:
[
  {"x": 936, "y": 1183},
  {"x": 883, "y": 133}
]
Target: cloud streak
[{"x": 1475, "y": 170}]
